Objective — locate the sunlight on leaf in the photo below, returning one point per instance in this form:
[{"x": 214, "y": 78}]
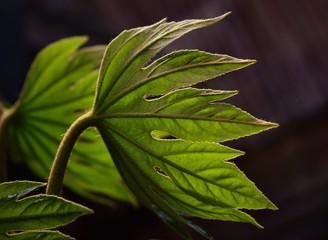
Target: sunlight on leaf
[{"x": 164, "y": 135}]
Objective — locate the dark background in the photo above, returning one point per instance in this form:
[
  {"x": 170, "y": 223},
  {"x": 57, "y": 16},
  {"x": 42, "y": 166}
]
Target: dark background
[{"x": 288, "y": 85}]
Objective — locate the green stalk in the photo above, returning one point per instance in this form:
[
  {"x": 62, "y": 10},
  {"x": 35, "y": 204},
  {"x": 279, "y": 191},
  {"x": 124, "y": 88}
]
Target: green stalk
[{"x": 57, "y": 172}]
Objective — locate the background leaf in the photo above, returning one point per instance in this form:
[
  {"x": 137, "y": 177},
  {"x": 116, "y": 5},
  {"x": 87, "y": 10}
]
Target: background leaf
[
  {"x": 38, "y": 212},
  {"x": 18, "y": 188},
  {"x": 60, "y": 86},
  {"x": 21, "y": 211},
  {"x": 164, "y": 135}
]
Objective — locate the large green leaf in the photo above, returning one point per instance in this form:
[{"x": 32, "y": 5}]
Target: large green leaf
[
  {"x": 164, "y": 135},
  {"x": 26, "y": 216},
  {"x": 60, "y": 85}
]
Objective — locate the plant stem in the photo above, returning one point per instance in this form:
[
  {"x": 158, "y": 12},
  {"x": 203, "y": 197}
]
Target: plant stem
[{"x": 57, "y": 172}]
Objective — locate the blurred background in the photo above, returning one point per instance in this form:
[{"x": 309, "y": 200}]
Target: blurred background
[{"x": 288, "y": 85}]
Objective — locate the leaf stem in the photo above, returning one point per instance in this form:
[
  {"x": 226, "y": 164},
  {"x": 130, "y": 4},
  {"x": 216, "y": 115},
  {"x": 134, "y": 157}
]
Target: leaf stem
[{"x": 57, "y": 172}]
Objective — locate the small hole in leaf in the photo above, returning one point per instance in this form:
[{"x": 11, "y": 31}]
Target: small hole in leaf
[
  {"x": 162, "y": 135},
  {"x": 152, "y": 97},
  {"x": 160, "y": 171}
]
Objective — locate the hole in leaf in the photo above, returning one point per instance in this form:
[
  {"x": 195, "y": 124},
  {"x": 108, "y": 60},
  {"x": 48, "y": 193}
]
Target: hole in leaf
[
  {"x": 152, "y": 97},
  {"x": 160, "y": 171},
  {"x": 162, "y": 135}
]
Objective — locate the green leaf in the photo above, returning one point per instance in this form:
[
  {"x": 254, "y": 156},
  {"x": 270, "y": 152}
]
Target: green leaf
[
  {"x": 60, "y": 86},
  {"x": 44, "y": 235},
  {"x": 38, "y": 212},
  {"x": 126, "y": 56},
  {"x": 33, "y": 214},
  {"x": 164, "y": 135},
  {"x": 18, "y": 189}
]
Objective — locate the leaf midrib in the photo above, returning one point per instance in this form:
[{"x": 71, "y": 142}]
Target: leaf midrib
[{"x": 180, "y": 116}]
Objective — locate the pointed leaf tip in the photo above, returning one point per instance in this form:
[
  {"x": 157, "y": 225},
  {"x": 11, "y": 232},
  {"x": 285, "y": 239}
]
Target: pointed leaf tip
[{"x": 222, "y": 16}]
